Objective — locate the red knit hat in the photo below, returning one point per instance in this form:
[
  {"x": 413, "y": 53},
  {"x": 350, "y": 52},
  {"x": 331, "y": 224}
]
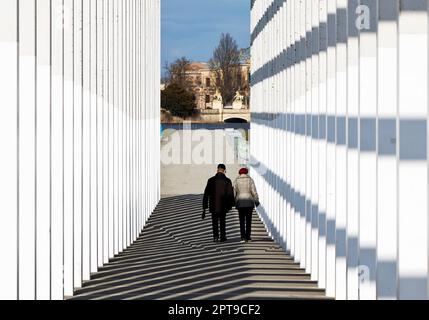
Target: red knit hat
[{"x": 243, "y": 171}]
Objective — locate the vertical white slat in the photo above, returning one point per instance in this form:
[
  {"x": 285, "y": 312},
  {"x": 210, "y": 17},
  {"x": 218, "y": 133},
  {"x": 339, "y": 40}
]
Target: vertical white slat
[
  {"x": 283, "y": 133},
  {"x": 99, "y": 125},
  {"x": 105, "y": 130},
  {"x": 132, "y": 110},
  {"x": 301, "y": 138},
  {"x": 331, "y": 150},
  {"x": 77, "y": 142},
  {"x": 412, "y": 175},
  {"x": 120, "y": 125},
  {"x": 8, "y": 145},
  {"x": 144, "y": 116},
  {"x": 93, "y": 138},
  {"x": 341, "y": 152},
  {"x": 27, "y": 149},
  {"x": 139, "y": 106},
  {"x": 86, "y": 140},
  {"x": 68, "y": 149},
  {"x": 57, "y": 241},
  {"x": 315, "y": 142},
  {"x": 124, "y": 117},
  {"x": 387, "y": 150},
  {"x": 127, "y": 129},
  {"x": 115, "y": 124},
  {"x": 352, "y": 153},
  {"x": 367, "y": 156},
  {"x": 111, "y": 126},
  {"x": 288, "y": 134},
  {"x": 292, "y": 127},
  {"x": 323, "y": 144},
  {"x": 43, "y": 149},
  {"x": 296, "y": 138},
  {"x": 308, "y": 138}
]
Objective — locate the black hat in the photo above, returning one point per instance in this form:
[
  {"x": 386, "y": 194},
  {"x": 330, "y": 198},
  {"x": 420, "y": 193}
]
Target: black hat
[{"x": 221, "y": 166}]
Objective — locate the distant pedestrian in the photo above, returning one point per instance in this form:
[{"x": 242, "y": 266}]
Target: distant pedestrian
[
  {"x": 246, "y": 198},
  {"x": 219, "y": 199}
]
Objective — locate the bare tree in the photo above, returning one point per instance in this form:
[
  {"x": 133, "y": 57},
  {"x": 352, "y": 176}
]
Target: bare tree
[
  {"x": 225, "y": 64},
  {"x": 176, "y": 72}
]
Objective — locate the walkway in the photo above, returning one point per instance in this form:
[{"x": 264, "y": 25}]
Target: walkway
[{"x": 174, "y": 258}]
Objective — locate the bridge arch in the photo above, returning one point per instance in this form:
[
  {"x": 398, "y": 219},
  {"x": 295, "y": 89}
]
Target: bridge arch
[{"x": 236, "y": 120}]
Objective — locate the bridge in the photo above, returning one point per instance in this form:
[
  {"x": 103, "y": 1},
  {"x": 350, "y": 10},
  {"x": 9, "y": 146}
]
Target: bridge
[
  {"x": 338, "y": 152},
  {"x": 224, "y": 115}
]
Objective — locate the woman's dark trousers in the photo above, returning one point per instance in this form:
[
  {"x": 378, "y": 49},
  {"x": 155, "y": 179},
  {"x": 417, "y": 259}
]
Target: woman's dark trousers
[{"x": 245, "y": 215}]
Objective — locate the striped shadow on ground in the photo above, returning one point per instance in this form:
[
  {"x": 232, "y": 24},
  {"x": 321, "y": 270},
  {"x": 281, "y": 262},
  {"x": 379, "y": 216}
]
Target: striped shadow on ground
[{"x": 175, "y": 258}]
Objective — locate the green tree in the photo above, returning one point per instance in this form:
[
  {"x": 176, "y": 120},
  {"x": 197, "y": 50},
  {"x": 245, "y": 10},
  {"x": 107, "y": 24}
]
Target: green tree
[{"x": 179, "y": 101}]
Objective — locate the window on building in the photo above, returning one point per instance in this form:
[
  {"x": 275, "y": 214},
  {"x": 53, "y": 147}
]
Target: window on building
[{"x": 208, "y": 82}]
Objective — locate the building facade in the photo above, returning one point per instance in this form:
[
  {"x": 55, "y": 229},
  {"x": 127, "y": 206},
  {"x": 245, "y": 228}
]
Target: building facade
[{"x": 203, "y": 82}]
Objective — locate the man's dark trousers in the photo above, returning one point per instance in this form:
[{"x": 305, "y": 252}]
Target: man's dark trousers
[{"x": 219, "y": 219}]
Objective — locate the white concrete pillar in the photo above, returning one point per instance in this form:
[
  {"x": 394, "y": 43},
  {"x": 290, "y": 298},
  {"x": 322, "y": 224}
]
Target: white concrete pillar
[
  {"x": 315, "y": 142},
  {"x": 308, "y": 132},
  {"x": 110, "y": 126},
  {"x": 341, "y": 152},
  {"x": 99, "y": 130},
  {"x": 57, "y": 185},
  {"x": 387, "y": 215},
  {"x": 368, "y": 148},
  {"x": 413, "y": 171},
  {"x": 43, "y": 149},
  {"x": 323, "y": 18},
  {"x": 331, "y": 149},
  {"x": 352, "y": 153},
  {"x": 289, "y": 65},
  {"x": 93, "y": 140},
  {"x": 77, "y": 142},
  {"x": 86, "y": 140},
  {"x": 105, "y": 129},
  {"x": 9, "y": 57},
  {"x": 68, "y": 148},
  {"x": 27, "y": 150}
]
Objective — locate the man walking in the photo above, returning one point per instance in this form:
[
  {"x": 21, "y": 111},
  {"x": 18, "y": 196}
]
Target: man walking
[{"x": 219, "y": 198}]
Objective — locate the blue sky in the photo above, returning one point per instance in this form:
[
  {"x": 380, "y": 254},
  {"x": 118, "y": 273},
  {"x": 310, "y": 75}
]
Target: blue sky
[{"x": 192, "y": 28}]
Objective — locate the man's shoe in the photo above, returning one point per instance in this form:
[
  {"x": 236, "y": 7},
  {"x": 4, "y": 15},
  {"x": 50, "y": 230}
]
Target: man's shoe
[
  {"x": 215, "y": 240},
  {"x": 249, "y": 240},
  {"x": 243, "y": 240},
  {"x": 223, "y": 240}
]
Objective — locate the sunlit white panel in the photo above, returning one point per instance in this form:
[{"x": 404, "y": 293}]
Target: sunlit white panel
[
  {"x": 387, "y": 216},
  {"x": 68, "y": 150},
  {"x": 27, "y": 151},
  {"x": 43, "y": 144},
  {"x": 412, "y": 175},
  {"x": 57, "y": 153},
  {"x": 8, "y": 147}
]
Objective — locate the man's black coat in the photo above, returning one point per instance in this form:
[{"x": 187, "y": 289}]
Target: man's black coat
[{"x": 219, "y": 194}]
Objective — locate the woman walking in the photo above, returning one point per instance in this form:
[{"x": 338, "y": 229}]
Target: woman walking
[{"x": 246, "y": 198}]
